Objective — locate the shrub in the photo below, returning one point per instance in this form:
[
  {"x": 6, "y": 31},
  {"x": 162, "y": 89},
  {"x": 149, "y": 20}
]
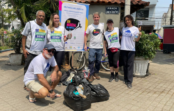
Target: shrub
[
  {"x": 16, "y": 40},
  {"x": 147, "y": 46}
]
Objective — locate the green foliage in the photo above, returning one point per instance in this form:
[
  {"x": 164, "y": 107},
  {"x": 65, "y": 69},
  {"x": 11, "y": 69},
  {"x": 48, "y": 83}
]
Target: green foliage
[
  {"x": 2, "y": 35},
  {"x": 26, "y": 9},
  {"x": 147, "y": 46},
  {"x": 11, "y": 15},
  {"x": 16, "y": 40},
  {"x": 4, "y": 47}
]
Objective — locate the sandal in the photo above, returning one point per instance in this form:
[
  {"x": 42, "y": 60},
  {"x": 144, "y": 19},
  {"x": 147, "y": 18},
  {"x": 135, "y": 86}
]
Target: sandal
[
  {"x": 32, "y": 100},
  {"x": 56, "y": 95}
]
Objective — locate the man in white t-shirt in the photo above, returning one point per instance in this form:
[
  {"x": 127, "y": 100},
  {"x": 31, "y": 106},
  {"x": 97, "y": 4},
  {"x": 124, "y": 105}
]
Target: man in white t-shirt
[
  {"x": 36, "y": 77},
  {"x": 95, "y": 31},
  {"x": 34, "y": 38}
]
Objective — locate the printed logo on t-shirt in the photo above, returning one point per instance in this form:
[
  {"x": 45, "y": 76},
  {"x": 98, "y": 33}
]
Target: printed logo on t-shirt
[
  {"x": 96, "y": 32},
  {"x": 113, "y": 37},
  {"x": 46, "y": 68},
  {"x": 56, "y": 36},
  {"x": 127, "y": 33},
  {"x": 40, "y": 35}
]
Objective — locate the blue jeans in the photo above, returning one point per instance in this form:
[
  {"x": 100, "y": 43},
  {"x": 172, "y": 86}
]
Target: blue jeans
[{"x": 95, "y": 56}]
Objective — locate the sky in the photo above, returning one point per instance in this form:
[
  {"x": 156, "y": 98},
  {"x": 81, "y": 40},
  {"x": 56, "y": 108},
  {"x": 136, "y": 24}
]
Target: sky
[{"x": 161, "y": 8}]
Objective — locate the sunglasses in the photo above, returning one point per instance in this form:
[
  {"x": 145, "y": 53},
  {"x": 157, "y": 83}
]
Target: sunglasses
[{"x": 53, "y": 51}]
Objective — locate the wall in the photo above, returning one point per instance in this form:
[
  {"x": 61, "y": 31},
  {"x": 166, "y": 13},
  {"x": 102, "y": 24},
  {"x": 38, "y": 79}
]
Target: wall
[
  {"x": 103, "y": 17},
  {"x": 152, "y": 2},
  {"x": 166, "y": 22}
]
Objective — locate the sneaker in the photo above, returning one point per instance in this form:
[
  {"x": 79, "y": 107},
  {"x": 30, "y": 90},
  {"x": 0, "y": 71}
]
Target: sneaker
[
  {"x": 116, "y": 78},
  {"x": 111, "y": 78},
  {"x": 91, "y": 78},
  {"x": 97, "y": 76},
  {"x": 129, "y": 85}
]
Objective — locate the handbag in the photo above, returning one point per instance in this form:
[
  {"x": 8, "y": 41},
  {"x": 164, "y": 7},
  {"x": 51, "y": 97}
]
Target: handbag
[{"x": 113, "y": 49}]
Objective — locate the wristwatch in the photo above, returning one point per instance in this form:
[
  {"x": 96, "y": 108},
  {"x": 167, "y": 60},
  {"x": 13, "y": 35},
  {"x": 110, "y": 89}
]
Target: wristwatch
[{"x": 51, "y": 91}]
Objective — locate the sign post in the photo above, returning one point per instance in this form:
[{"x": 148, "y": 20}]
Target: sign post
[{"x": 74, "y": 17}]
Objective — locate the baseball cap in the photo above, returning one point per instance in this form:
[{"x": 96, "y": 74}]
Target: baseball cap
[
  {"x": 110, "y": 20},
  {"x": 49, "y": 46}
]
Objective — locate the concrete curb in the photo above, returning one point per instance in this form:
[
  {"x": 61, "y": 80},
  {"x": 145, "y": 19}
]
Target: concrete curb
[{"x": 5, "y": 50}]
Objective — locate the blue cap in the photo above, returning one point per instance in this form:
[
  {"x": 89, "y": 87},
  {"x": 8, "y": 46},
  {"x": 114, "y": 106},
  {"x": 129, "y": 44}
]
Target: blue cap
[{"x": 49, "y": 46}]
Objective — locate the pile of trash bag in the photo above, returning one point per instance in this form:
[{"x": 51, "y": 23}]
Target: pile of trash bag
[
  {"x": 98, "y": 93},
  {"x": 79, "y": 93}
]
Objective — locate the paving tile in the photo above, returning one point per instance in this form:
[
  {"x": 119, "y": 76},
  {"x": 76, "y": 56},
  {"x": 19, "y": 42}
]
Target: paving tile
[{"x": 152, "y": 93}]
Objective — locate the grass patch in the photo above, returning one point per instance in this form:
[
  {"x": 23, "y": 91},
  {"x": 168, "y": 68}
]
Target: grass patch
[{"x": 4, "y": 47}]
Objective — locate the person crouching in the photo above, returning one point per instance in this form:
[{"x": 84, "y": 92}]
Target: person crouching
[{"x": 36, "y": 77}]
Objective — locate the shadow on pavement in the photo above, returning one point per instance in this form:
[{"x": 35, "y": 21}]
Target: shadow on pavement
[
  {"x": 6, "y": 66},
  {"x": 161, "y": 58},
  {"x": 107, "y": 76},
  {"x": 42, "y": 101}
]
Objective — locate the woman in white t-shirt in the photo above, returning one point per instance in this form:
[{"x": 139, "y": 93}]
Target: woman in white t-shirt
[
  {"x": 56, "y": 37},
  {"x": 112, "y": 48},
  {"x": 130, "y": 35}
]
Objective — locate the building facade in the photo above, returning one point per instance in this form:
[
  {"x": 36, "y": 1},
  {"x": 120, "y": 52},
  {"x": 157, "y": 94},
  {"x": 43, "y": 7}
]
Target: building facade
[
  {"x": 146, "y": 17},
  {"x": 166, "y": 19}
]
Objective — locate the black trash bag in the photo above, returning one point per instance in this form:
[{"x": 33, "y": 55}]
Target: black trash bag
[
  {"x": 99, "y": 93},
  {"x": 76, "y": 80},
  {"x": 76, "y": 102},
  {"x": 65, "y": 75}
]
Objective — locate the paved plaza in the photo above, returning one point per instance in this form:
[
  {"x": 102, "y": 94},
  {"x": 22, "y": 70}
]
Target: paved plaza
[{"x": 152, "y": 93}]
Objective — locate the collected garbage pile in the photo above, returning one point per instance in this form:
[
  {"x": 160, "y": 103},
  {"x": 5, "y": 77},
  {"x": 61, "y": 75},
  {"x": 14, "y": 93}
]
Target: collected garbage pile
[{"x": 79, "y": 93}]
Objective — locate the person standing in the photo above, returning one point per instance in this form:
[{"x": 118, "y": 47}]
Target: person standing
[
  {"x": 95, "y": 31},
  {"x": 128, "y": 48},
  {"x": 34, "y": 38},
  {"x": 56, "y": 37},
  {"x": 112, "y": 48}
]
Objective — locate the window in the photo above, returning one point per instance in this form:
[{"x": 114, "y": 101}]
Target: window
[{"x": 142, "y": 14}]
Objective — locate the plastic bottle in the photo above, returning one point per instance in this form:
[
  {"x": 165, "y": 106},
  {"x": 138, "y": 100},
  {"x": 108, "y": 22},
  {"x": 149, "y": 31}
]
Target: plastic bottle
[{"x": 136, "y": 36}]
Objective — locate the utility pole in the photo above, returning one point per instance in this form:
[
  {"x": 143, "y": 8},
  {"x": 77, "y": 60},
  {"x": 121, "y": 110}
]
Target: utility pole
[
  {"x": 171, "y": 19},
  {"x": 127, "y": 7}
]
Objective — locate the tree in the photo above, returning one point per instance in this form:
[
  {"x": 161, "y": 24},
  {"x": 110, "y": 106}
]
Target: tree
[
  {"x": 26, "y": 9},
  {"x": 2, "y": 13},
  {"x": 11, "y": 16}
]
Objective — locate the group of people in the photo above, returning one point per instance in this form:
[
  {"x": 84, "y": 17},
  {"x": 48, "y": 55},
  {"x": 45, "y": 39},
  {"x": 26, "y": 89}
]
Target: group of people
[
  {"x": 116, "y": 44},
  {"x": 43, "y": 46}
]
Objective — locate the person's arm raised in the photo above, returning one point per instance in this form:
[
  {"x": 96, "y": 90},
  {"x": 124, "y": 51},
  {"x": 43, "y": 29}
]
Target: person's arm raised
[{"x": 139, "y": 36}]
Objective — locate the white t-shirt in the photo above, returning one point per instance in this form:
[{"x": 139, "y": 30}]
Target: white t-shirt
[
  {"x": 56, "y": 38},
  {"x": 127, "y": 41},
  {"x": 112, "y": 38},
  {"x": 38, "y": 36},
  {"x": 39, "y": 65},
  {"x": 96, "y": 35}
]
